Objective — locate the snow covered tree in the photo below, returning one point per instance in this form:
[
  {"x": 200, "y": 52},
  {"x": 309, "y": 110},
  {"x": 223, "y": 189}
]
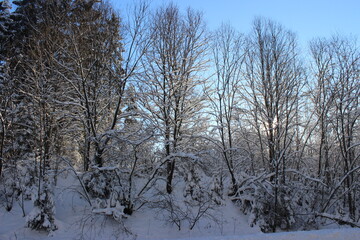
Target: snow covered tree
[
  {"x": 97, "y": 70},
  {"x": 69, "y": 54},
  {"x": 171, "y": 82},
  {"x": 35, "y": 126},
  {"x": 322, "y": 99},
  {"x": 17, "y": 126},
  {"x": 122, "y": 144},
  {"x": 5, "y": 24},
  {"x": 272, "y": 86},
  {"x": 41, "y": 216},
  {"x": 4, "y": 109},
  {"x": 228, "y": 56},
  {"x": 337, "y": 103},
  {"x": 273, "y": 82},
  {"x": 5, "y": 88},
  {"x": 41, "y": 34},
  {"x": 346, "y": 89}
]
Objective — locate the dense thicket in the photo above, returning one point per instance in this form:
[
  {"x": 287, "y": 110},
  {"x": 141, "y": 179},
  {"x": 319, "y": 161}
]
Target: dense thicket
[{"x": 136, "y": 104}]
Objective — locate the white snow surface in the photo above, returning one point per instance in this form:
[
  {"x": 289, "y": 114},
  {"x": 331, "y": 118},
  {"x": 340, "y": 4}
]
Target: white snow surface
[
  {"x": 326, "y": 234},
  {"x": 75, "y": 220}
]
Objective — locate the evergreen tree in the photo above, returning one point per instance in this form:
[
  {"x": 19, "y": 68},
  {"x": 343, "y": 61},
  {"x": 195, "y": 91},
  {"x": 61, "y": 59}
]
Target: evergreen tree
[
  {"x": 34, "y": 125},
  {"x": 17, "y": 56},
  {"x": 5, "y": 22}
]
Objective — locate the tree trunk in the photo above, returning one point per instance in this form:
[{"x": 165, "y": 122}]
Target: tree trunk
[
  {"x": 98, "y": 155},
  {"x": 2, "y": 142},
  {"x": 170, "y": 171}
]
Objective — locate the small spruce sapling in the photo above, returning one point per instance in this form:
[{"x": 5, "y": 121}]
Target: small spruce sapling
[{"x": 42, "y": 215}]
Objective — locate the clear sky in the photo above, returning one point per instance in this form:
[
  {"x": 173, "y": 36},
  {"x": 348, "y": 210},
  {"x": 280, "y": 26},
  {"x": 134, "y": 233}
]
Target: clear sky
[{"x": 307, "y": 18}]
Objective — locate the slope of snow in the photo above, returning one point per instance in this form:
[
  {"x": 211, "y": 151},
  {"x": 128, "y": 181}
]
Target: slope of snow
[
  {"x": 230, "y": 222},
  {"x": 327, "y": 234},
  {"x": 75, "y": 221}
]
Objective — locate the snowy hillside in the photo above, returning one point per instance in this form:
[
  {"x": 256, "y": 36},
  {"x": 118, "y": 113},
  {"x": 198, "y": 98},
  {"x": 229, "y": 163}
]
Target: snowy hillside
[
  {"x": 343, "y": 234},
  {"x": 75, "y": 221}
]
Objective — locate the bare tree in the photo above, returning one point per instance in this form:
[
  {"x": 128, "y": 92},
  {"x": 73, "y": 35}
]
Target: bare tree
[
  {"x": 273, "y": 81},
  {"x": 171, "y": 76},
  {"x": 103, "y": 76},
  {"x": 346, "y": 90},
  {"x": 336, "y": 99},
  {"x": 228, "y": 55},
  {"x": 322, "y": 98},
  {"x": 94, "y": 48}
]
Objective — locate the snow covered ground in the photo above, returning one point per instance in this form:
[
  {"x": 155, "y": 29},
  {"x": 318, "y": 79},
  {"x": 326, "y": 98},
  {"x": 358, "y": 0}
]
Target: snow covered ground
[
  {"x": 328, "y": 234},
  {"x": 74, "y": 221}
]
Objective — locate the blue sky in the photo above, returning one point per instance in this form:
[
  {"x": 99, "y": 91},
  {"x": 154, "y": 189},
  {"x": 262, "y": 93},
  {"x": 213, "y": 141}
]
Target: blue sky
[{"x": 307, "y": 18}]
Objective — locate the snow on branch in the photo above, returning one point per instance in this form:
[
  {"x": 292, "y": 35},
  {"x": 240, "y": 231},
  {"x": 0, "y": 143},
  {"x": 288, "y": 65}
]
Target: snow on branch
[{"x": 339, "y": 219}]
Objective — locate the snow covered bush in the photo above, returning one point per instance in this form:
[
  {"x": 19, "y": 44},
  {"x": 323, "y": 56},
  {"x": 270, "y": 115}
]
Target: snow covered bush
[
  {"x": 217, "y": 190},
  {"x": 9, "y": 193},
  {"x": 194, "y": 191},
  {"x": 183, "y": 212},
  {"x": 42, "y": 215},
  {"x": 190, "y": 202},
  {"x": 108, "y": 190},
  {"x": 299, "y": 203},
  {"x": 98, "y": 183},
  {"x": 110, "y": 207},
  {"x": 256, "y": 198},
  {"x": 18, "y": 184},
  {"x": 26, "y": 178}
]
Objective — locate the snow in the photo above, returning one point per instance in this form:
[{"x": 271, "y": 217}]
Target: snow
[
  {"x": 75, "y": 220},
  {"x": 328, "y": 234}
]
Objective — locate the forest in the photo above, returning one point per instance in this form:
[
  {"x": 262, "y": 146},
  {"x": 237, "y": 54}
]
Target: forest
[{"x": 153, "y": 110}]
